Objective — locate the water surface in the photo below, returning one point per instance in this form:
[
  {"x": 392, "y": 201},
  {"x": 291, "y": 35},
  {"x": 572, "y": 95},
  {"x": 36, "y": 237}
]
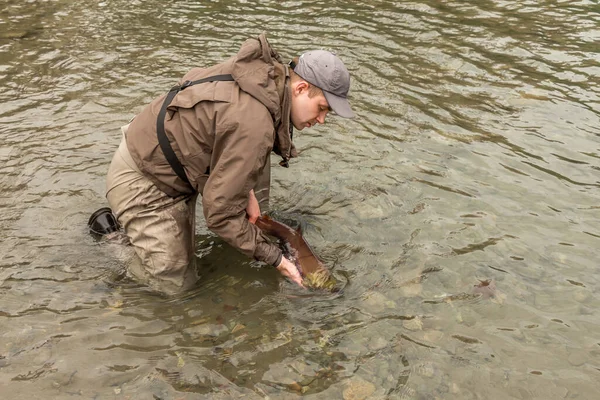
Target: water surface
[{"x": 474, "y": 156}]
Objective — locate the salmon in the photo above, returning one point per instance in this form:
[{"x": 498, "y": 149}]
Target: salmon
[{"x": 313, "y": 272}]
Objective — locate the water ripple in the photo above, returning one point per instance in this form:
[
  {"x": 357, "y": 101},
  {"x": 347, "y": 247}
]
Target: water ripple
[{"x": 474, "y": 155}]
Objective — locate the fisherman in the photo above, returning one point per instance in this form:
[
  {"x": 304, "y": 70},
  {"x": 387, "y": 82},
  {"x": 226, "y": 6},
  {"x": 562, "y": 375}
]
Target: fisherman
[{"x": 212, "y": 135}]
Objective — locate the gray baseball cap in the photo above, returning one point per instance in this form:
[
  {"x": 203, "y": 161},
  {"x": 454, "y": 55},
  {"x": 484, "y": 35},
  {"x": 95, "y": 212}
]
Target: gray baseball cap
[{"x": 326, "y": 71}]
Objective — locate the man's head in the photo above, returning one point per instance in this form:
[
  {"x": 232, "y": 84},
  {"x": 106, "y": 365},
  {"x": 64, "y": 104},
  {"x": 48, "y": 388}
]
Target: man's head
[{"x": 320, "y": 83}]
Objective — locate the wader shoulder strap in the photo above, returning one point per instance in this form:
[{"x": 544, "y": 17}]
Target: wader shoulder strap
[{"x": 163, "y": 140}]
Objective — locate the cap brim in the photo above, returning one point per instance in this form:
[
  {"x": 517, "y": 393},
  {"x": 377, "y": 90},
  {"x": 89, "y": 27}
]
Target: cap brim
[{"x": 339, "y": 105}]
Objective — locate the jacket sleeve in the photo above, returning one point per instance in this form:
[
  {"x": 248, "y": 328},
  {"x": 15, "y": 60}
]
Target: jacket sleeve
[
  {"x": 243, "y": 141},
  {"x": 262, "y": 189}
]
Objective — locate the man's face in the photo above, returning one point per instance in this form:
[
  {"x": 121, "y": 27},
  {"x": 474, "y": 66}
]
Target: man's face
[{"x": 307, "y": 111}]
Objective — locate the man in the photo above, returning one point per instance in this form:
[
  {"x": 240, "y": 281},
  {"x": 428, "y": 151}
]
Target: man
[{"x": 212, "y": 135}]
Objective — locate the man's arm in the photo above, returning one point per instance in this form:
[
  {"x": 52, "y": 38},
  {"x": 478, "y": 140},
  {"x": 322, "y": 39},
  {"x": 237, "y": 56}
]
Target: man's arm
[
  {"x": 285, "y": 267},
  {"x": 240, "y": 152},
  {"x": 240, "y": 149},
  {"x": 252, "y": 209}
]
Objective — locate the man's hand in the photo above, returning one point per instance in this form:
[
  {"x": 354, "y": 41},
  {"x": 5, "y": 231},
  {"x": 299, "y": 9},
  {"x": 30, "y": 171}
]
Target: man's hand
[
  {"x": 289, "y": 270},
  {"x": 252, "y": 209}
]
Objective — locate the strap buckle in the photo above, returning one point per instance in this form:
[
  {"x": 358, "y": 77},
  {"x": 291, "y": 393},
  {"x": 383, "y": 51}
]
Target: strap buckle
[
  {"x": 179, "y": 88},
  {"x": 185, "y": 84}
]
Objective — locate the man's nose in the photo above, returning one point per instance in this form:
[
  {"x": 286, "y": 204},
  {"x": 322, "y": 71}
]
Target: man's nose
[{"x": 321, "y": 117}]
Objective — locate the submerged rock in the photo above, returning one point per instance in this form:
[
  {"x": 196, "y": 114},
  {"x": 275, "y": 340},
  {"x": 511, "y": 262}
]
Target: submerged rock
[
  {"x": 374, "y": 302},
  {"x": 414, "y": 324},
  {"x": 358, "y": 389}
]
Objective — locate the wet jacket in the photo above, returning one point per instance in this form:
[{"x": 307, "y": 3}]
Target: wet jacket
[{"x": 222, "y": 133}]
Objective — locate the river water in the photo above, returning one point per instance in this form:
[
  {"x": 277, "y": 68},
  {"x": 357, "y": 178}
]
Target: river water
[{"x": 475, "y": 156}]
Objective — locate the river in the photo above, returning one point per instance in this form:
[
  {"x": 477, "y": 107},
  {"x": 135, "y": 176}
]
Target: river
[{"x": 474, "y": 157}]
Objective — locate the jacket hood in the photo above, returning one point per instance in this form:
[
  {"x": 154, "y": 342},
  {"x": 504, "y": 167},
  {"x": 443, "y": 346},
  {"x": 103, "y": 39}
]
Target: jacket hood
[{"x": 258, "y": 70}]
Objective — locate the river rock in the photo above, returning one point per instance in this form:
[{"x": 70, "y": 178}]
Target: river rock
[
  {"x": 582, "y": 296},
  {"x": 206, "y": 330},
  {"x": 377, "y": 343},
  {"x": 374, "y": 302},
  {"x": 577, "y": 357},
  {"x": 411, "y": 290},
  {"x": 433, "y": 336},
  {"x": 415, "y": 324},
  {"x": 426, "y": 369},
  {"x": 358, "y": 389}
]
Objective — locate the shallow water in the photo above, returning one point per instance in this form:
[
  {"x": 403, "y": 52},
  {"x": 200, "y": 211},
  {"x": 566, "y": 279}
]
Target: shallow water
[{"x": 475, "y": 156}]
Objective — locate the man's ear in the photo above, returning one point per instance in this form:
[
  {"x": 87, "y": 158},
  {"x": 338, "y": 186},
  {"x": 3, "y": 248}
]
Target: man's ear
[{"x": 301, "y": 87}]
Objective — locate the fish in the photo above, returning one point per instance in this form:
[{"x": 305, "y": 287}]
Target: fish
[{"x": 314, "y": 273}]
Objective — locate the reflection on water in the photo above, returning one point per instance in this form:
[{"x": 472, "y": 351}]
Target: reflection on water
[{"x": 474, "y": 158}]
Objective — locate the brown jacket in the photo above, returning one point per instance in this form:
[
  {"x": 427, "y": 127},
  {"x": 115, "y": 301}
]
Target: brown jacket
[{"x": 222, "y": 133}]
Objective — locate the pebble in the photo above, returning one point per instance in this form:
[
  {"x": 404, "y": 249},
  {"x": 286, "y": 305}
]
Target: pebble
[
  {"x": 358, "y": 389},
  {"x": 377, "y": 343},
  {"x": 413, "y": 290},
  {"x": 577, "y": 357},
  {"x": 238, "y": 327},
  {"x": 469, "y": 320},
  {"x": 212, "y": 330},
  {"x": 425, "y": 370},
  {"x": 582, "y": 296},
  {"x": 415, "y": 324},
  {"x": 370, "y": 212},
  {"x": 374, "y": 302},
  {"x": 454, "y": 388},
  {"x": 433, "y": 336}
]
